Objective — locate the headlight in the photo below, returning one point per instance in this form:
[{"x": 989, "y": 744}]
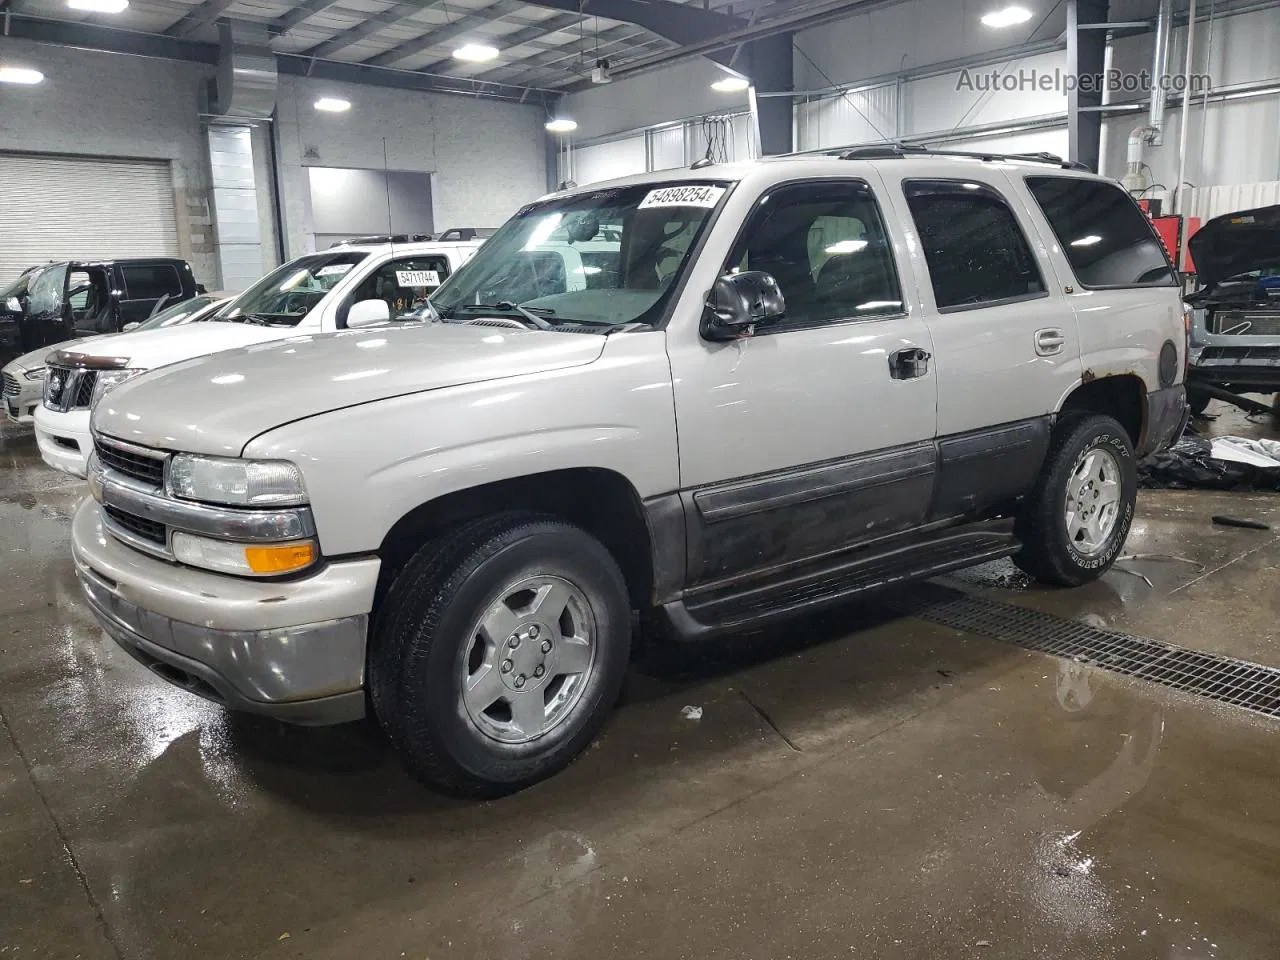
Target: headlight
[
  {"x": 237, "y": 483},
  {"x": 243, "y": 559},
  {"x": 108, "y": 380},
  {"x": 39, "y": 373},
  {"x": 93, "y": 473}
]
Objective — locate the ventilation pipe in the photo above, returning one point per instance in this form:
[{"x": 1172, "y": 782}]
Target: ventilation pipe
[
  {"x": 245, "y": 87},
  {"x": 1151, "y": 132}
]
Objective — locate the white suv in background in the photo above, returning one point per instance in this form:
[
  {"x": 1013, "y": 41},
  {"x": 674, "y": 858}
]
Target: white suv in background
[
  {"x": 345, "y": 286},
  {"x": 791, "y": 382}
]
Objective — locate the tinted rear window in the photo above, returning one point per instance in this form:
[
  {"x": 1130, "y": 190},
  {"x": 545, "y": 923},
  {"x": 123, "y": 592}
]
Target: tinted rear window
[
  {"x": 1106, "y": 237},
  {"x": 151, "y": 281}
]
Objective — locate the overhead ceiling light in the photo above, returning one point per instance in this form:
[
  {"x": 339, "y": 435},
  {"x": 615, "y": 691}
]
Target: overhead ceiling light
[
  {"x": 1088, "y": 241},
  {"x": 99, "y": 6},
  {"x": 562, "y": 125},
  {"x": 846, "y": 247},
  {"x": 21, "y": 75},
  {"x": 476, "y": 53},
  {"x": 1008, "y": 17},
  {"x": 333, "y": 105},
  {"x": 731, "y": 85}
]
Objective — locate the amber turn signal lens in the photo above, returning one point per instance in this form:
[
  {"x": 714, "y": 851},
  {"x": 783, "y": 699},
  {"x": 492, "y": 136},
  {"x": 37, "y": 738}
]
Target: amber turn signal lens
[{"x": 280, "y": 559}]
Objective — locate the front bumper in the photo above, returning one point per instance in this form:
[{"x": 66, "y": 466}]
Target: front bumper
[
  {"x": 293, "y": 650},
  {"x": 20, "y": 406},
  {"x": 64, "y": 440}
]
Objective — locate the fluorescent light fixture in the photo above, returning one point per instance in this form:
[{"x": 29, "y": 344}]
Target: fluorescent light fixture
[
  {"x": 847, "y": 246},
  {"x": 333, "y": 105},
  {"x": 476, "y": 53},
  {"x": 21, "y": 75},
  {"x": 1008, "y": 17},
  {"x": 878, "y": 304},
  {"x": 1088, "y": 241},
  {"x": 562, "y": 125},
  {"x": 99, "y": 6},
  {"x": 731, "y": 85}
]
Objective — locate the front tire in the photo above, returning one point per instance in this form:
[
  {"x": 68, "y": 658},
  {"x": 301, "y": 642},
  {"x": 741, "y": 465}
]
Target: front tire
[
  {"x": 1077, "y": 518},
  {"x": 500, "y": 651}
]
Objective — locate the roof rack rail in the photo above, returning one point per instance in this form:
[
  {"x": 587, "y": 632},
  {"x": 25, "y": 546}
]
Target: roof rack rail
[{"x": 891, "y": 151}]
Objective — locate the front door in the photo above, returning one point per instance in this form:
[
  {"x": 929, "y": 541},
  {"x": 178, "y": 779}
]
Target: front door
[{"x": 817, "y": 432}]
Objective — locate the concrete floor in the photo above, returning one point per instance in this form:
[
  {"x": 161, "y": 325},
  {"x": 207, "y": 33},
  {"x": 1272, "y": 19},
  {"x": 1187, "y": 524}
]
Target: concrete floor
[{"x": 857, "y": 786}]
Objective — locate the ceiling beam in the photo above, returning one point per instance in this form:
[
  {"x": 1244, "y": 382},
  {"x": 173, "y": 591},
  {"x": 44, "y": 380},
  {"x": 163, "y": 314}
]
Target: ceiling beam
[
  {"x": 679, "y": 22},
  {"x": 198, "y": 17},
  {"x": 445, "y": 34},
  {"x": 527, "y": 35},
  {"x": 607, "y": 43},
  {"x": 304, "y": 11},
  {"x": 347, "y": 38}
]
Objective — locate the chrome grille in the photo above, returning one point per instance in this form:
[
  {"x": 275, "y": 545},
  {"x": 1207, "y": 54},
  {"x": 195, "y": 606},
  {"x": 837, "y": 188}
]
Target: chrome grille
[
  {"x": 9, "y": 386},
  {"x": 1241, "y": 323},
  {"x": 139, "y": 526},
  {"x": 69, "y": 388},
  {"x": 131, "y": 461}
]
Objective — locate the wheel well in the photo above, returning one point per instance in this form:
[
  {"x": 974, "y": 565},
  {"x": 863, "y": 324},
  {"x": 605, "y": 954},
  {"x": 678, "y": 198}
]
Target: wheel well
[
  {"x": 1122, "y": 396},
  {"x": 600, "y": 501}
]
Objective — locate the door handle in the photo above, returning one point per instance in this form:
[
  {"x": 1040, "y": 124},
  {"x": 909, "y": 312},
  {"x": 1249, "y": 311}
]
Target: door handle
[
  {"x": 1049, "y": 342},
  {"x": 909, "y": 363}
]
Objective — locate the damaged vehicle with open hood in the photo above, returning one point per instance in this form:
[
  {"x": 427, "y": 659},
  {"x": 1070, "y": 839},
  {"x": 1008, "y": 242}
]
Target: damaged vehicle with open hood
[{"x": 1235, "y": 335}]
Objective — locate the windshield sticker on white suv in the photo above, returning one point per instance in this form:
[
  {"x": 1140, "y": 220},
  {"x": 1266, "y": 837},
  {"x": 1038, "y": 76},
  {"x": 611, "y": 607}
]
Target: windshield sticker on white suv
[
  {"x": 417, "y": 278},
  {"x": 334, "y": 269},
  {"x": 699, "y": 196}
]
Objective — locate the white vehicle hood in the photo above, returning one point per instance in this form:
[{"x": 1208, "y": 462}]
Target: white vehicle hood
[
  {"x": 35, "y": 359},
  {"x": 148, "y": 349},
  {"x": 218, "y": 404}
]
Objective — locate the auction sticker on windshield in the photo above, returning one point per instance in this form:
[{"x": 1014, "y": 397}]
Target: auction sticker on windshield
[
  {"x": 334, "y": 269},
  {"x": 690, "y": 196},
  {"x": 417, "y": 278}
]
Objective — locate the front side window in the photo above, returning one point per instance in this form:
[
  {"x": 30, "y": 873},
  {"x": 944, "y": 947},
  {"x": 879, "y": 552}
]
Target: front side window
[
  {"x": 976, "y": 251},
  {"x": 608, "y": 257},
  {"x": 47, "y": 290},
  {"x": 151, "y": 281},
  {"x": 404, "y": 284},
  {"x": 826, "y": 245},
  {"x": 289, "y": 292},
  {"x": 1105, "y": 236}
]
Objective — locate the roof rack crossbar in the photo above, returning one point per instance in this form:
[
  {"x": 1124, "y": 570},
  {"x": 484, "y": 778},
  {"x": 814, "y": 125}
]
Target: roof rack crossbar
[{"x": 896, "y": 150}]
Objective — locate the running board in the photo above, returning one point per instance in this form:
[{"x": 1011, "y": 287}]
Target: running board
[{"x": 700, "y": 615}]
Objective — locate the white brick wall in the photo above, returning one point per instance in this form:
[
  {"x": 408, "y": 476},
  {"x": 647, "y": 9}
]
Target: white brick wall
[{"x": 488, "y": 157}]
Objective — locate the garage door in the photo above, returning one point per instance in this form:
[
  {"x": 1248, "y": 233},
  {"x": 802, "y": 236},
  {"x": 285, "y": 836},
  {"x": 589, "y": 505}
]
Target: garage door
[{"x": 59, "y": 208}]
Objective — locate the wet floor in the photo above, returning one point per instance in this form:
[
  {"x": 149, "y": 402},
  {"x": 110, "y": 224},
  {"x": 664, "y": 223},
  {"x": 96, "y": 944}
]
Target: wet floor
[{"x": 858, "y": 785}]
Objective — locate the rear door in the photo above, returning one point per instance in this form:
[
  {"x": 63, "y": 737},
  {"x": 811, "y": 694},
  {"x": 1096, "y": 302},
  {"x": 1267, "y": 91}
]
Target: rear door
[
  {"x": 1004, "y": 338},
  {"x": 143, "y": 285}
]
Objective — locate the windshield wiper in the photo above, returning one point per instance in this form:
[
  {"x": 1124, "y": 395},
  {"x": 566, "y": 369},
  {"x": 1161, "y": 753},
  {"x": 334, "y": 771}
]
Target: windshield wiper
[{"x": 506, "y": 306}]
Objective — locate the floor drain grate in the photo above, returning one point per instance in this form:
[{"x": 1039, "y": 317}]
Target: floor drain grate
[{"x": 1240, "y": 683}]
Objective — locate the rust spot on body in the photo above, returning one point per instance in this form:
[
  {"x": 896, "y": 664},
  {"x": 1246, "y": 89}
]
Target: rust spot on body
[{"x": 1088, "y": 376}]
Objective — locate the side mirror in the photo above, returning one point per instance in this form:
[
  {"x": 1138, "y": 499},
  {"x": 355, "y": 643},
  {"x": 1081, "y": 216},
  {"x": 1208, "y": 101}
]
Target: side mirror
[
  {"x": 368, "y": 312},
  {"x": 739, "y": 301},
  {"x": 130, "y": 326}
]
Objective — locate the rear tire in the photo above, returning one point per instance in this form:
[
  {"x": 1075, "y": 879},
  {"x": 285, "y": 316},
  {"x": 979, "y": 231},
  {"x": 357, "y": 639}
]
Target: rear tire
[
  {"x": 1077, "y": 518},
  {"x": 499, "y": 653}
]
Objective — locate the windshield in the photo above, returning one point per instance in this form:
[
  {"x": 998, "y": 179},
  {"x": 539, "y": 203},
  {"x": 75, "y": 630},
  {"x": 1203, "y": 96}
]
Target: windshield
[
  {"x": 179, "y": 313},
  {"x": 610, "y": 257},
  {"x": 46, "y": 290},
  {"x": 288, "y": 293},
  {"x": 18, "y": 286}
]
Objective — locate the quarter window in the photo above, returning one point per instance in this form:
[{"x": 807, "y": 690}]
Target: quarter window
[
  {"x": 1105, "y": 236},
  {"x": 826, "y": 245},
  {"x": 976, "y": 252}
]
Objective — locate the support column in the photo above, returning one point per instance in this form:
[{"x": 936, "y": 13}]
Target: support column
[
  {"x": 1086, "y": 58},
  {"x": 770, "y": 62}
]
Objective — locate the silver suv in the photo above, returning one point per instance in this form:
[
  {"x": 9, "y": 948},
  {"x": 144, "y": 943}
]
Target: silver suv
[{"x": 722, "y": 397}]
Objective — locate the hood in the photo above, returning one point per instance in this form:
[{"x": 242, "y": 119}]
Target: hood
[
  {"x": 148, "y": 349},
  {"x": 218, "y": 404},
  {"x": 1236, "y": 243},
  {"x": 36, "y": 358}
]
